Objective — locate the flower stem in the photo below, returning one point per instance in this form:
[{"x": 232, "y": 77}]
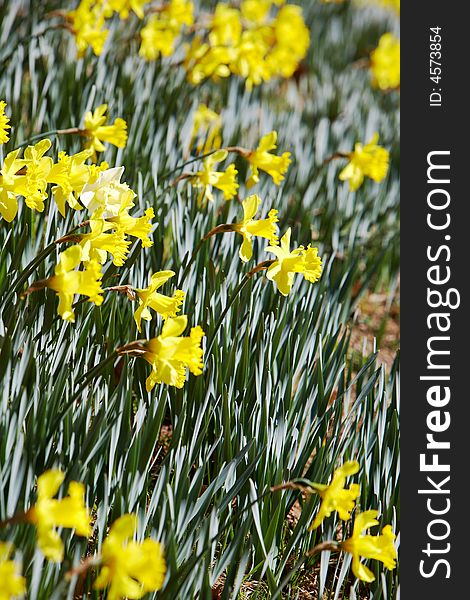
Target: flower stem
[
  {"x": 334, "y": 157},
  {"x": 87, "y": 563},
  {"x": 38, "y": 136},
  {"x": 235, "y": 149},
  {"x": 261, "y": 267}
]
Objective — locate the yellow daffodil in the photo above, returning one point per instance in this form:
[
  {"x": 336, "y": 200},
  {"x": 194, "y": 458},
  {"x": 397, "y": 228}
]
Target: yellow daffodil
[
  {"x": 385, "y": 63},
  {"x": 12, "y": 583},
  {"x": 4, "y": 123},
  {"x": 149, "y": 298},
  {"x": 249, "y": 60},
  {"x": 249, "y": 227},
  {"x": 138, "y": 227},
  {"x": 209, "y": 178},
  {"x": 130, "y": 569},
  {"x": 261, "y": 158},
  {"x": 300, "y": 260},
  {"x": 96, "y": 129},
  {"x": 203, "y": 61},
  {"x": 206, "y": 129},
  {"x": 32, "y": 185},
  {"x": 226, "y": 26},
  {"x": 8, "y": 185},
  {"x": 335, "y": 496},
  {"x": 70, "y": 174},
  {"x": 67, "y": 281},
  {"x": 292, "y": 41},
  {"x": 158, "y": 37},
  {"x": 160, "y": 33},
  {"x": 87, "y": 22},
  {"x": 369, "y": 160},
  {"x": 170, "y": 354},
  {"x": 377, "y": 547},
  {"x": 49, "y": 513},
  {"x": 96, "y": 245}
]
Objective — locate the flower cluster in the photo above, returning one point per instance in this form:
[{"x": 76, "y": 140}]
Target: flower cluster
[
  {"x": 259, "y": 40},
  {"x": 249, "y": 42},
  {"x": 88, "y": 22},
  {"x": 336, "y": 497},
  {"x": 162, "y": 30},
  {"x": 107, "y": 201},
  {"x": 95, "y": 190},
  {"x": 129, "y": 569}
]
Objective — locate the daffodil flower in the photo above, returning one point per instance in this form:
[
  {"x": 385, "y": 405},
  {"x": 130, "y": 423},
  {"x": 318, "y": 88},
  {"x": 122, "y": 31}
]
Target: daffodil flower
[
  {"x": 385, "y": 63},
  {"x": 97, "y": 130},
  {"x": 8, "y": 185},
  {"x": 300, "y": 260},
  {"x": 160, "y": 33},
  {"x": 226, "y": 26},
  {"x": 209, "y": 178},
  {"x": 378, "y": 547},
  {"x": 249, "y": 227},
  {"x": 4, "y": 123},
  {"x": 32, "y": 185},
  {"x": 203, "y": 61},
  {"x": 369, "y": 160},
  {"x": 335, "y": 496},
  {"x": 138, "y": 227},
  {"x": 170, "y": 354},
  {"x": 70, "y": 174},
  {"x": 98, "y": 243},
  {"x": 67, "y": 281},
  {"x": 149, "y": 298},
  {"x": 87, "y": 22},
  {"x": 262, "y": 159},
  {"x": 130, "y": 569},
  {"x": 49, "y": 513},
  {"x": 292, "y": 41},
  {"x": 12, "y": 583}
]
